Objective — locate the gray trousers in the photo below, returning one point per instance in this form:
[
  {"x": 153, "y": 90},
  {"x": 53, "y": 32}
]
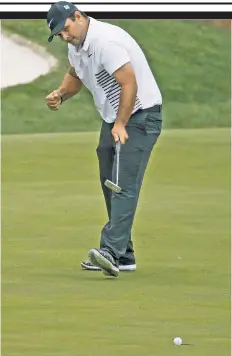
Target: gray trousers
[{"x": 143, "y": 128}]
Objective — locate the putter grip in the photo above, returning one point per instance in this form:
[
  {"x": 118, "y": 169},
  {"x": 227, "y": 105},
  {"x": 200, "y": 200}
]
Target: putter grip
[{"x": 118, "y": 146}]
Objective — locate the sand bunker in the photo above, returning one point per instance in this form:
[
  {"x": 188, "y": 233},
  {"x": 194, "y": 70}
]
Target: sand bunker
[{"x": 22, "y": 61}]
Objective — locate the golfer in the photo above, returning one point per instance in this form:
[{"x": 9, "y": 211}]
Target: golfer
[{"x": 108, "y": 61}]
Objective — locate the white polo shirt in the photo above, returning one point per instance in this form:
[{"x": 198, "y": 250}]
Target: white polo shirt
[{"x": 106, "y": 48}]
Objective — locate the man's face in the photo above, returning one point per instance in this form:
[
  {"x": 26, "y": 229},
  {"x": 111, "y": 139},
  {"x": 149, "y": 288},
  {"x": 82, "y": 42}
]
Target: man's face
[{"x": 74, "y": 31}]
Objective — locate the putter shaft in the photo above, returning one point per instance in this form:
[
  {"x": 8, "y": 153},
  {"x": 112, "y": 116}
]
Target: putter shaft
[{"x": 114, "y": 186}]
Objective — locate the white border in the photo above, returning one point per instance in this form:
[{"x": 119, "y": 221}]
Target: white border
[
  {"x": 125, "y": 8},
  {"x": 152, "y": 2}
]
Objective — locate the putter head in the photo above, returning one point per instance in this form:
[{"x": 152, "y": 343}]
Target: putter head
[{"x": 112, "y": 186}]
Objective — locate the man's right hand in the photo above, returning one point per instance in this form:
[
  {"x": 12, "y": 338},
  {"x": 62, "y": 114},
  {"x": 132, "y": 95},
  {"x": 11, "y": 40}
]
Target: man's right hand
[{"x": 53, "y": 100}]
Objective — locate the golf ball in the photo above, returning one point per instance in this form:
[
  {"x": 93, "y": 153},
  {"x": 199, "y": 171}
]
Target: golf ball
[{"x": 177, "y": 341}]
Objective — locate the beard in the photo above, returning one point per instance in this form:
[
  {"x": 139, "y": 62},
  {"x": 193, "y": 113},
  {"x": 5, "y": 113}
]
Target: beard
[{"x": 74, "y": 41}]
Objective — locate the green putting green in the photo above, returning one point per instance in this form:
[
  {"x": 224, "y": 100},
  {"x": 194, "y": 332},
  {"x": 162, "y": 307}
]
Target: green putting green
[{"x": 52, "y": 213}]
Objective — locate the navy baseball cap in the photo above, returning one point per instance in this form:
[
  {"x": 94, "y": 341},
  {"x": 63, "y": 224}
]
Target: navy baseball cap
[{"x": 57, "y": 16}]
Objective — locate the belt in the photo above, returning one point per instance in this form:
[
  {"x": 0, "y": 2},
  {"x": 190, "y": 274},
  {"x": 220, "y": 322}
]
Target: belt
[{"x": 155, "y": 108}]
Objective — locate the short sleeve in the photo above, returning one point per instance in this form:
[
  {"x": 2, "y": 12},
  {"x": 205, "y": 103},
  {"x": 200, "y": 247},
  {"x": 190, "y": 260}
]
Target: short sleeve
[{"x": 113, "y": 56}]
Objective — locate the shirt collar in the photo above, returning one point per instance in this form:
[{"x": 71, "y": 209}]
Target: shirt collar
[{"x": 90, "y": 33}]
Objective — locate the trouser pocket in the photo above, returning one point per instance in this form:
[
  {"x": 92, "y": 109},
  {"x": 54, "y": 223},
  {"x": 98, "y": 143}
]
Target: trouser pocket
[{"x": 153, "y": 123}]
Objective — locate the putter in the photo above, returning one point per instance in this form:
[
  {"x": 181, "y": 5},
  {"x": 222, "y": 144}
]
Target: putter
[{"x": 114, "y": 186}]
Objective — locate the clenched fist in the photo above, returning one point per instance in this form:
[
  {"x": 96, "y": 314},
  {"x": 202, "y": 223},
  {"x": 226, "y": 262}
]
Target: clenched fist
[{"x": 53, "y": 100}]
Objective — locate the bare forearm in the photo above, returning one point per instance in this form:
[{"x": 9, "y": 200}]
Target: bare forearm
[
  {"x": 126, "y": 103},
  {"x": 125, "y": 77},
  {"x": 70, "y": 85}
]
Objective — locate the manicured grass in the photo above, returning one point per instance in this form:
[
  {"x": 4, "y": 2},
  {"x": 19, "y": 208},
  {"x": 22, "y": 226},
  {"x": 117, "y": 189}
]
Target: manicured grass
[
  {"x": 52, "y": 213},
  {"x": 190, "y": 59}
]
